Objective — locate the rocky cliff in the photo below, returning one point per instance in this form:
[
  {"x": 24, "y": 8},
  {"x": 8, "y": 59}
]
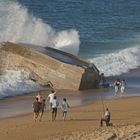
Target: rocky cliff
[{"x": 63, "y": 70}]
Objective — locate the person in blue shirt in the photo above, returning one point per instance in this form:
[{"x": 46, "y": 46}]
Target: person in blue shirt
[
  {"x": 64, "y": 108},
  {"x": 55, "y": 105}
]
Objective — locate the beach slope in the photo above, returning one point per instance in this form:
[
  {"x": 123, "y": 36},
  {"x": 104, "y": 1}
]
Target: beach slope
[{"x": 82, "y": 123}]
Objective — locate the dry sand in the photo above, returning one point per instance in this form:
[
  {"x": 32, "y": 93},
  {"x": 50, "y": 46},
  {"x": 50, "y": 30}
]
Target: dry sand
[{"x": 82, "y": 123}]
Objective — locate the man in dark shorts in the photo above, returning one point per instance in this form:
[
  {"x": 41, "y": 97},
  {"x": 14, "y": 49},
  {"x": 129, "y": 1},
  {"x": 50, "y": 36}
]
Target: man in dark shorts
[{"x": 55, "y": 104}]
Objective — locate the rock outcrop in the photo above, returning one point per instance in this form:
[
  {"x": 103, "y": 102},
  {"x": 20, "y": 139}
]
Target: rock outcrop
[{"x": 74, "y": 74}]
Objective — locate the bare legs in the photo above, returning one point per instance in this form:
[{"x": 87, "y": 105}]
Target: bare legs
[
  {"x": 54, "y": 114},
  {"x": 36, "y": 114}
]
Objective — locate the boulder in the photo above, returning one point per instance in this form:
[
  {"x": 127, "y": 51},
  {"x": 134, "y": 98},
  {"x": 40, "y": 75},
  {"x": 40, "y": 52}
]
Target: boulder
[{"x": 54, "y": 67}]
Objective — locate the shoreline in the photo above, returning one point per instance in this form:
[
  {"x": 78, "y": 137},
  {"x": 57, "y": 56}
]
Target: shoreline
[
  {"x": 22, "y": 105},
  {"x": 16, "y": 105}
]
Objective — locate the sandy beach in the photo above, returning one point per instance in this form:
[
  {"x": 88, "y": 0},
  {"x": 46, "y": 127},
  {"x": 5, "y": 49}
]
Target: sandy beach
[
  {"x": 85, "y": 51},
  {"x": 82, "y": 123},
  {"x": 83, "y": 117}
]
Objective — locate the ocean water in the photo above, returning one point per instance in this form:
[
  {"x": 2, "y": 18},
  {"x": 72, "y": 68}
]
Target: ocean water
[{"x": 105, "y": 32}]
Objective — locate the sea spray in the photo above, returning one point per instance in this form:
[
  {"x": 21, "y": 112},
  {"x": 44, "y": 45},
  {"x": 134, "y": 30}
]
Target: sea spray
[
  {"x": 118, "y": 62},
  {"x": 16, "y": 83},
  {"x": 17, "y": 25}
]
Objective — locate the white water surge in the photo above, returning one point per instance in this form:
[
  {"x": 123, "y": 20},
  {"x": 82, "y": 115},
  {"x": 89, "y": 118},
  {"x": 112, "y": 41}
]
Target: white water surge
[
  {"x": 118, "y": 62},
  {"x": 16, "y": 83},
  {"x": 17, "y": 25}
]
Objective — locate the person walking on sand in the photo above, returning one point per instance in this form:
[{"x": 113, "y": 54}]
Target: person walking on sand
[
  {"x": 36, "y": 109},
  {"x": 42, "y": 108},
  {"x": 51, "y": 97},
  {"x": 55, "y": 105},
  {"x": 64, "y": 108},
  {"x": 123, "y": 87},
  {"x": 106, "y": 118},
  {"x": 117, "y": 85}
]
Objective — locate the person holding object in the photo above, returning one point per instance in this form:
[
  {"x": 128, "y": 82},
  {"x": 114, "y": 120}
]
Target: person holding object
[{"x": 106, "y": 118}]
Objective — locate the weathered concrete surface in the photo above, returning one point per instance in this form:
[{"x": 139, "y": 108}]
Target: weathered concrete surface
[{"x": 44, "y": 68}]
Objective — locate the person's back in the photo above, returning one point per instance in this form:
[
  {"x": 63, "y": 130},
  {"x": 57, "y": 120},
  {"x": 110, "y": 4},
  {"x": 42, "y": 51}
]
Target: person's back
[
  {"x": 106, "y": 118},
  {"x": 51, "y": 95},
  {"x": 55, "y": 104},
  {"x": 107, "y": 114},
  {"x": 64, "y": 108},
  {"x": 36, "y": 107}
]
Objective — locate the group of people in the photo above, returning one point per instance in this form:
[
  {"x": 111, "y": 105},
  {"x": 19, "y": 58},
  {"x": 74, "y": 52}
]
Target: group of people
[
  {"x": 39, "y": 106},
  {"x": 120, "y": 87}
]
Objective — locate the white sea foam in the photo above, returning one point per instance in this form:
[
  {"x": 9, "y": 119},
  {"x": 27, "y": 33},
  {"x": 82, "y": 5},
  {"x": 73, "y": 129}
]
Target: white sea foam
[
  {"x": 16, "y": 83},
  {"x": 17, "y": 25},
  {"x": 118, "y": 62}
]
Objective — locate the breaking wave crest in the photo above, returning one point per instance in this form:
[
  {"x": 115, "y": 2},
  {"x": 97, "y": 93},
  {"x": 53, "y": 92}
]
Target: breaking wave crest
[
  {"x": 118, "y": 62},
  {"x": 17, "y": 25}
]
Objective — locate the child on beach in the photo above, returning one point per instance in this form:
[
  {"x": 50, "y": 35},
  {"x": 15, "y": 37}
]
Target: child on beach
[
  {"x": 36, "y": 109},
  {"x": 64, "y": 108},
  {"x": 42, "y": 108},
  {"x": 54, "y": 106}
]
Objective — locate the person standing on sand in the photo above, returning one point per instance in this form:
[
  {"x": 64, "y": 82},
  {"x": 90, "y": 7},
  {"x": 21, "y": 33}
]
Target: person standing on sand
[
  {"x": 117, "y": 85},
  {"x": 36, "y": 109},
  {"x": 42, "y": 108},
  {"x": 123, "y": 87},
  {"x": 51, "y": 97},
  {"x": 55, "y": 104},
  {"x": 64, "y": 108}
]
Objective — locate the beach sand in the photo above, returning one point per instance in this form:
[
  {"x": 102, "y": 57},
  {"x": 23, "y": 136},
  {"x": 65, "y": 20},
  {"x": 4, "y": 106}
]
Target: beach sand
[{"x": 82, "y": 123}]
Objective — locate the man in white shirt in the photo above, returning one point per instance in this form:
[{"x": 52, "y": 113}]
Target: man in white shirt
[
  {"x": 106, "y": 118},
  {"x": 51, "y": 97}
]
